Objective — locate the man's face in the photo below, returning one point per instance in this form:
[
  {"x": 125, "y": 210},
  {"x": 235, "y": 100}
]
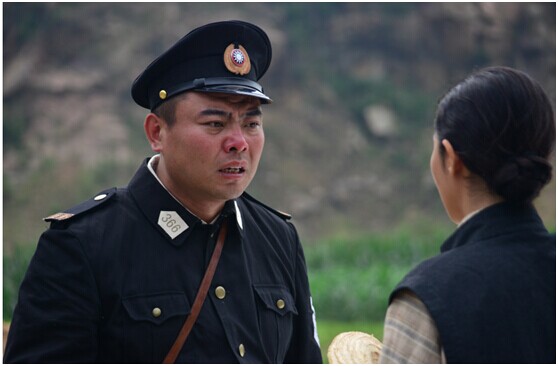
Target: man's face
[{"x": 212, "y": 151}]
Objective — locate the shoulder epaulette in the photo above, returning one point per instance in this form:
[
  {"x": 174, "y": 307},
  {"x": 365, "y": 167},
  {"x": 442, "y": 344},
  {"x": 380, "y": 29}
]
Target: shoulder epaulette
[
  {"x": 283, "y": 215},
  {"x": 90, "y": 204}
]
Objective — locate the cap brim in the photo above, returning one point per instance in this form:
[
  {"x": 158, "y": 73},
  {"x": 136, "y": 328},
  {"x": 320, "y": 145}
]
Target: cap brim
[{"x": 236, "y": 89}]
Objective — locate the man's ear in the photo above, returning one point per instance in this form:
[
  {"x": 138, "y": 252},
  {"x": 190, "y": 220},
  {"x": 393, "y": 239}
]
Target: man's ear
[
  {"x": 452, "y": 162},
  {"x": 153, "y": 126}
]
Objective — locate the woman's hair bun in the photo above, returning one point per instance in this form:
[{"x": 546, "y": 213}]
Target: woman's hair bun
[{"x": 521, "y": 178}]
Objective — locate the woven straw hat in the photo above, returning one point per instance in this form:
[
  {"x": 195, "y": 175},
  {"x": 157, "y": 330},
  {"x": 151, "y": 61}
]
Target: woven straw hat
[{"x": 354, "y": 347}]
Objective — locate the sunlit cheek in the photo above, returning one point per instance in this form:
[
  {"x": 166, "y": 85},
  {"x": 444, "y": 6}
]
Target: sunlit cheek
[
  {"x": 433, "y": 168},
  {"x": 255, "y": 141}
]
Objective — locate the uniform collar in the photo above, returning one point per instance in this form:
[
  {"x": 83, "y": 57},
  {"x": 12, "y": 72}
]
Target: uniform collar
[{"x": 165, "y": 212}]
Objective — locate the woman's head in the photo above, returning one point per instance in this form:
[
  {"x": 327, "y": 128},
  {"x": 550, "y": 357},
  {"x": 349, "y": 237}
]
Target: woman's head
[{"x": 500, "y": 123}]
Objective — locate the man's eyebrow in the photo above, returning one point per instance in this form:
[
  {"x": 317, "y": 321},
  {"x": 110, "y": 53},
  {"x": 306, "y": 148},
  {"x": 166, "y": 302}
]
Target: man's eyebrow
[
  {"x": 221, "y": 113},
  {"x": 214, "y": 112},
  {"x": 254, "y": 112}
]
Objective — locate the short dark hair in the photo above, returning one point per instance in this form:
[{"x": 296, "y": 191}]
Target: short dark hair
[
  {"x": 501, "y": 124},
  {"x": 167, "y": 110}
]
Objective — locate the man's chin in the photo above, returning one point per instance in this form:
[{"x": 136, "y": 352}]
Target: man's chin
[
  {"x": 233, "y": 191},
  {"x": 232, "y": 194}
]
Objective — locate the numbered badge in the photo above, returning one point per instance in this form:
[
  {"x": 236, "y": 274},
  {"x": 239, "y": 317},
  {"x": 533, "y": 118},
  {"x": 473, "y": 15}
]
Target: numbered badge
[{"x": 172, "y": 223}]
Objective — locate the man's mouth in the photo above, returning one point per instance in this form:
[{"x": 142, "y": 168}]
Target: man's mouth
[{"x": 233, "y": 170}]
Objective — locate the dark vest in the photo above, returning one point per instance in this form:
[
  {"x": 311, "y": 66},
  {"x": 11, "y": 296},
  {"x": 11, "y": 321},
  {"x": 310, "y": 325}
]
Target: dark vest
[{"x": 492, "y": 290}]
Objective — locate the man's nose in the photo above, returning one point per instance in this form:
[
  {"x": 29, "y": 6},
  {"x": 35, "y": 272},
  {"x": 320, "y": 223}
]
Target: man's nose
[{"x": 236, "y": 141}]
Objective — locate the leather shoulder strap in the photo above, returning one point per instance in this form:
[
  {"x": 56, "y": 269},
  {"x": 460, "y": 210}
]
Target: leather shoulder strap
[{"x": 200, "y": 297}]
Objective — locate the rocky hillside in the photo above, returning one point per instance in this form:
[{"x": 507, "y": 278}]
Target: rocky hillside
[{"x": 355, "y": 87}]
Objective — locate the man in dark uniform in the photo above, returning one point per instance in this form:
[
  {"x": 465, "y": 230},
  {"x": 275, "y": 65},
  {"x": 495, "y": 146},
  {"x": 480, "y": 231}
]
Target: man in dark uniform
[{"x": 114, "y": 278}]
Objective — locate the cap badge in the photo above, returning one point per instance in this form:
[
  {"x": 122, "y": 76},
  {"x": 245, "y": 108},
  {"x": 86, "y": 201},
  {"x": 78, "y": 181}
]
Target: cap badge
[{"x": 237, "y": 60}]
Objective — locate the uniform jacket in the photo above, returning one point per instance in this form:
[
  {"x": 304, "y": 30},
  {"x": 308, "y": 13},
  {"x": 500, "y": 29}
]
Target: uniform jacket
[
  {"x": 492, "y": 290},
  {"x": 92, "y": 288}
]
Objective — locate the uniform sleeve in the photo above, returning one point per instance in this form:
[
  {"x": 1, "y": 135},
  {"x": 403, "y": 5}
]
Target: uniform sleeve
[
  {"x": 305, "y": 345},
  {"x": 410, "y": 334},
  {"x": 56, "y": 316}
]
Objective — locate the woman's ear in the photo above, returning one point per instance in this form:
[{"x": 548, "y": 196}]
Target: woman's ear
[
  {"x": 153, "y": 126},
  {"x": 452, "y": 162}
]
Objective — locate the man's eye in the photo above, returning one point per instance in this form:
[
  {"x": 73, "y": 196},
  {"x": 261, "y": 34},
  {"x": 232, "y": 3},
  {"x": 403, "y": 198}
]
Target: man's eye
[
  {"x": 214, "y": 124},
  {"x": 253, "y": 124}
]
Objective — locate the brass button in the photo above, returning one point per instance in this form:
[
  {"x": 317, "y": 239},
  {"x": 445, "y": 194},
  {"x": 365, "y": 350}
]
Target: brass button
[
  {"x": 220, "y": 292},
  {"x": 100, "y": 197},
  {"x": 280, "y": 304},
  {"x": 156, "y": 312},
  {"x": 241, "y": 350},
  {"x": 163, "y": 94}
]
